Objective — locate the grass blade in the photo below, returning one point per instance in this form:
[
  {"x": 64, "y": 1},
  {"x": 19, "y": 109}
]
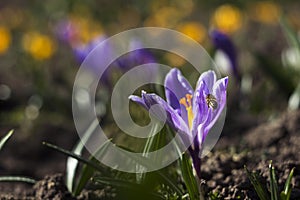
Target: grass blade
[
  {"x": 116, "y": 182},
  {"x": 72, "y": 163},
  {"x": 152, "y": 143},
  {"x": 273, "y": 183},
  {"x": 290, "y": 34},
  {"x": 286, "y": 193},
  {"x": 5, "y": 138},
  {"x": 145, "y": 162},
  {"x": 283, "y": 78},
  {"x": 259, "y": 188},
  {"x": 88, "y": 171},
  {"x": 17, "y": 179},
  {"x": 189, "y": 179},
  {"x": 294, "y": 100},
  {"x": 78, "y": 157},
  {"x": 136, "y": 188}
]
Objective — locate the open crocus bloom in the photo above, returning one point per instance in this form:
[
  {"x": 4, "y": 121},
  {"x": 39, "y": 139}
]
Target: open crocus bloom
[{"x": 191, "y": 113}]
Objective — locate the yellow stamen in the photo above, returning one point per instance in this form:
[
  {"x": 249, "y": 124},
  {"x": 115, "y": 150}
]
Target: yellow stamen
[{"x": 187, "y": 102}]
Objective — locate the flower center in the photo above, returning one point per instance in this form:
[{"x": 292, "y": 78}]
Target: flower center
[
  {"x": 187, "y": 102},
  {"x": 211, "y": 101}
]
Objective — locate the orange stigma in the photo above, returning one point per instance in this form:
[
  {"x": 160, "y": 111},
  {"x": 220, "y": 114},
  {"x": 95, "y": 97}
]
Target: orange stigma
[{"x": 187, "y": 102}]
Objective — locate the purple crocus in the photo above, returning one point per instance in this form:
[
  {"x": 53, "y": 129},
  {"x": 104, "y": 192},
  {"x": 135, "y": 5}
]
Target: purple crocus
[
  {"x": 83, "y": 50},
  {"x": 224, "y": 44},
  {"x": 191, "y": 113},
  {"x": 135, "y": 57}
]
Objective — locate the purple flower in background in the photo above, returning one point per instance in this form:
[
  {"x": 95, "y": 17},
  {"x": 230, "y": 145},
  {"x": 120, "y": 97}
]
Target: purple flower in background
[
  {"x": 135, "y": 57},
  {"x": 65, "y": 30},
  {"x": 191, "y": 113},
  {"x": 83, "y": 50},
  {"x": 227, "y": 51}
]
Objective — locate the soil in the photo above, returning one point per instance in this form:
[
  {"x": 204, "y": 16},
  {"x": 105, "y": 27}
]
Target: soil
[
  {"x": 277, "y": 141},
  {"x": 222, "y": 170}
]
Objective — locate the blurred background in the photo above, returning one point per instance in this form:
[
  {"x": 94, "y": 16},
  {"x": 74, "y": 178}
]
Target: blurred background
[{"x": 42, "y": 44}]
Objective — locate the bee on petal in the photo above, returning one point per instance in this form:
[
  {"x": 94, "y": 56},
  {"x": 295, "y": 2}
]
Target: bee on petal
[{"x": 211, "y": 101}]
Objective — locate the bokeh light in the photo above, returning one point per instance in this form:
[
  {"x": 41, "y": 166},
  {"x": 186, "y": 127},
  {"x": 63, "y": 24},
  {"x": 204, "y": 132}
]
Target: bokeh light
[
  {"x": 266, "y": 12},
  {"x": 227, "y": 18},
  {"x": 38, "y": 45},
  {"x": 195, "y": 30},
  {"x": 5, "y": 39}
]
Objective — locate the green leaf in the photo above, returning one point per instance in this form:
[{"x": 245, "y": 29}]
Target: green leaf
[
  {"x": 273, "y": 183},
  {"x": 152, "y": 143},
  {"x": 286, "y": 193},
  {"x": 188, "y": 177},
  {"x": 283, "y": 78},
  {"x": 5, "y": 138},
  {"x": 73, "y": 163},
  {"x": 290, "y": 34},
  {"x": 147, "y": 148},
  {"x": 78, "y": 157},
  {"x": 88, "y": 171},
  {"x": 148, "y": 164},
  {"x": 115, "y": 182},
  {"x": 187, "y": 174},
  {"x": 259, "y": 188},
  {"x": 294, "y": 100},
  {"x": 126, "y": 185},
  {"x": 214, "y": 196},
  {"x": 17, "y": 179}
]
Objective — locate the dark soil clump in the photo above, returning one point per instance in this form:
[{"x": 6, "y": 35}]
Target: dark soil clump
[
  {"x": 52, "y": 187},
  {"x": 277, "y": 141},
  {"x": 223, "y": 169}
]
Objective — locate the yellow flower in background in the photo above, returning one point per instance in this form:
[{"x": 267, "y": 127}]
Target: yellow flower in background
[
  {"x": 194, "y": 30},
  {"x": 185, "y": 7},
  {"x": 84, "y": 30},
  {"x": 174, "y": 60},
  {"x": 164, "y": 17},
  {"x": 5, "y": 39},
  {"x": 87, "y": 29},
  {"x": 39, "y": 46},
  {"x": 227, "y": 18},
  {"x": 266, "y": 12}
]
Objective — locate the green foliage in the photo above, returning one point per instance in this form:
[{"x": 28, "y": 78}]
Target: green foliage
[
  {"x": 13, "y": 178},
  {"x": 17, "y": 179},
  {"x": 87, "y": 171},
  {"x": 273, "y": 192},
  {"x": 286, "y": 193},
  {"x": 72, "y": 163},
  {"x": 214, "y": 196},
  {"x": 290, "y": 34},
  {"x": 5, "y": 138},
  {"x": 188, "y": 177},
  {"x": 260, "y": 189},
  {"x": 157, "y": 185}
]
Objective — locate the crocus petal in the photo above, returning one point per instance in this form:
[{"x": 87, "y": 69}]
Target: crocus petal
[
  {"x": 219, "y": 91},
  {"x": 176, "y": 87},
  {"x": 200, "y": 108},
  {"x": 138, "y": 100},
  {"x": 173, "y": 118},
  {"x": 209, "y": 78}
]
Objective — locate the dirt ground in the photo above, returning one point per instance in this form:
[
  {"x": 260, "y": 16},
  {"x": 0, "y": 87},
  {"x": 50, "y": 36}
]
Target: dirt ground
[{"x": 222, "y": 170}]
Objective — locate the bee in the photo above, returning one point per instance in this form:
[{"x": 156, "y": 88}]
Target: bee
[{"x": 211, "y": 101}]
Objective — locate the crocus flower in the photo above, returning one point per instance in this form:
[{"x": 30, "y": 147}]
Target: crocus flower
[
  {"x": 225, "y": 52},
  {"x": 135, "y": 57},
  {"x": 83, "y": 50},
  {"x": 191, "y": 113}
]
